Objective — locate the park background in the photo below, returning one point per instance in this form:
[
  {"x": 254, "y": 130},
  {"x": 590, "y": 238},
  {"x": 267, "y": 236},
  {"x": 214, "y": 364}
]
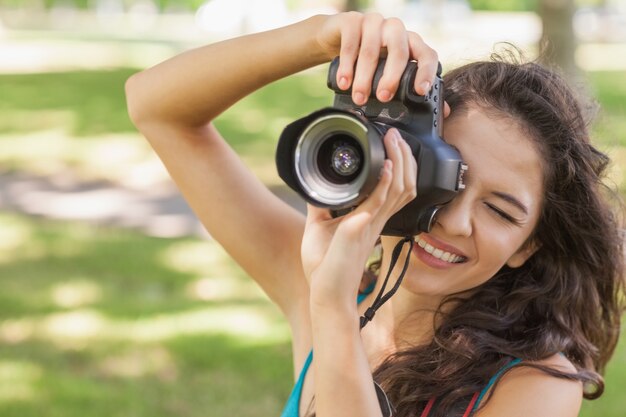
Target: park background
[{"x": 113, "y": 301}]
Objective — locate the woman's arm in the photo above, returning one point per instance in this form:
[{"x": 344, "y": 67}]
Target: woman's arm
[{"x": 173, "y": 104}]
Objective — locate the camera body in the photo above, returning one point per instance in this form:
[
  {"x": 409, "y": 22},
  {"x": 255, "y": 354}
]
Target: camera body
[{"x": 333, "y": 157}]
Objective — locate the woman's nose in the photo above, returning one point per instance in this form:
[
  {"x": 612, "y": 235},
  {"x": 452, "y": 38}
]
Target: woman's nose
[{"x": 456, "y": 216}]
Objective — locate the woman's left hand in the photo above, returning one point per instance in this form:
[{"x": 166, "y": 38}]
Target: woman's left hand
[{"x": 334, "y": 250}]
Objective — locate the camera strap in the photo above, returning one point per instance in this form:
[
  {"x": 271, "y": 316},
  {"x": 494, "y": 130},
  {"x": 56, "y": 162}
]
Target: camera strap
[
  {"x": 386, "y": 407},
  {"x": 382, "y": 297}
]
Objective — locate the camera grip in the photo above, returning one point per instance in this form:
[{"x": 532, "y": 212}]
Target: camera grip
[{"x": 406, "y": 93}]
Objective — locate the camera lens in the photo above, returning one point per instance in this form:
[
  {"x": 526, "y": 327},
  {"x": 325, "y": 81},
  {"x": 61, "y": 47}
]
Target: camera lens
[
  {"x": 337, "y": 159},
  {"x": 340, "y": 158}
]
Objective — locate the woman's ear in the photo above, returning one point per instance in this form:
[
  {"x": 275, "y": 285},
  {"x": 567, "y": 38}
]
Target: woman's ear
[{"x": 521, "y": 256}]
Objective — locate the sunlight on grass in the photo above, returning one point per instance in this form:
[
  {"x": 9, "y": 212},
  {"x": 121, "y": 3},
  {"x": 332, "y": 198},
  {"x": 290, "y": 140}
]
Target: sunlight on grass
[
  {"x": 14, "y": 234},
  {"x": 46, "y": 152},
  {"x": 16, "y": 331},
  {"x": 213, "y": 266},
  {"x": 18, "y": 379},
  {"x": 73, "y": 329},
  {"x": 222, "y": 289},
  {"x": 196, "y": 257},
  {"x": 151, "y": 361},
  {"x": 76, "y": 293},
  {"x": 16, "y": 120}
]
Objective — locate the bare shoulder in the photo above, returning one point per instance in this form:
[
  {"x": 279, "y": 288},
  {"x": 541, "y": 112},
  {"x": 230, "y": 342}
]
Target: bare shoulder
[{"x": 528, "y": 391}]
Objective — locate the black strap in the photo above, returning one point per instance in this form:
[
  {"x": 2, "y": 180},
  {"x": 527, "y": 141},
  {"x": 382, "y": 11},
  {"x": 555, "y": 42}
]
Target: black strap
[
  {"x": 382, "y": 297},
  {"x": 386, "y": 407}
]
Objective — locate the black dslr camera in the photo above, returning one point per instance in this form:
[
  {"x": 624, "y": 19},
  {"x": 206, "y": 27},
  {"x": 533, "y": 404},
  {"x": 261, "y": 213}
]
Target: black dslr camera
[{"x": 333, "y": 157}]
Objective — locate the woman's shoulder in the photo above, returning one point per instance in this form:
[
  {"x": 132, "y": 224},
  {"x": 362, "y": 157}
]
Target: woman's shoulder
[{"x": 527, "y": 390}]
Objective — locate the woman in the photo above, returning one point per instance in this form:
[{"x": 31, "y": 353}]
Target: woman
[{"x": 509, "y": 303}]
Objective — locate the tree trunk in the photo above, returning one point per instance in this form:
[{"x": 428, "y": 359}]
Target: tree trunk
[
  {"x": 351, "y": 5},
  {"x": 558, "y": 40}
]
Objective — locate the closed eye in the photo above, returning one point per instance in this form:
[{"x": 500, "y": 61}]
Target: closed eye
[{"x": 504, "y": 215}]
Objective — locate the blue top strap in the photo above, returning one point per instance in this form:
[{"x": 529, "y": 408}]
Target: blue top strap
[
  {"x": 494, "y": 379},
  {"x": 293, "y": 403}
]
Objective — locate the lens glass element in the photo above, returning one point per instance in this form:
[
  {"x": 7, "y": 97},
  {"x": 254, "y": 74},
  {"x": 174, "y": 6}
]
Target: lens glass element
[
  {"x": 339, "y": 158},
  {"x": 346, "y": 160}
]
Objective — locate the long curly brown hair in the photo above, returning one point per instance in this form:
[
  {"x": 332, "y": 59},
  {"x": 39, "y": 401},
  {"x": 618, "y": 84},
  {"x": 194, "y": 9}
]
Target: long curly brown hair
[{"x": 566, "y": 297}]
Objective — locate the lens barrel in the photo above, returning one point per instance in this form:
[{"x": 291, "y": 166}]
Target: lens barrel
[{"x": 336, "y": 158}]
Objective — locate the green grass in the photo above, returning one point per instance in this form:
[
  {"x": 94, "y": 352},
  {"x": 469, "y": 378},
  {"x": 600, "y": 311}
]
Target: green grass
[
  {"x": 105, "y": 322},
  {"x": 85, "y": 102}
]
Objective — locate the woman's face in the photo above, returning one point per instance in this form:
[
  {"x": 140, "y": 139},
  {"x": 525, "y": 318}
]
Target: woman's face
[{"x": 488, "y": 224}]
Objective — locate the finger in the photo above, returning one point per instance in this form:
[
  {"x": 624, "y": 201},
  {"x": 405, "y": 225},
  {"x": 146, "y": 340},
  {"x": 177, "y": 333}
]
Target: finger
[
  {"x": 375, "y": 201},
  {"x": 317, "y": 214},
  {"x": 379, "y": 203},
  {"x": 349, "y": 50},
  {"x": 393, "y": 146},
  {"x": 400, "y": 192},
  {"x": 427, "y": 63},
  {"x": 446, "y": 109},
  {"x": 410, "y": 173},
  {"x": 394, "y": 38},
  {"x": 367, "y": 61}
]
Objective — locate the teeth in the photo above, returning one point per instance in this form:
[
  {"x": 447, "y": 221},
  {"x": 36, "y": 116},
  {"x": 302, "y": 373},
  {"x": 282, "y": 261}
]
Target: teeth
[
  {"x": 439, "y": 253},
  {"x": 430, "y": 249}
]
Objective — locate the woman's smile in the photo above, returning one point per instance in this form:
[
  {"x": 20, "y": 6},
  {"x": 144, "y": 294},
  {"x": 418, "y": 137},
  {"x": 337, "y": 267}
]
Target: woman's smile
[{"x": 437, "y": 254}]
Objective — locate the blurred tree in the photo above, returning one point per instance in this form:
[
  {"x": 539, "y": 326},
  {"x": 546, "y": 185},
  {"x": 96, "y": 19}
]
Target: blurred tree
[
  {"x": 348, "y": 5},
  {"x": 558, "y": 40},
  {"x": 352, "y": 5}
]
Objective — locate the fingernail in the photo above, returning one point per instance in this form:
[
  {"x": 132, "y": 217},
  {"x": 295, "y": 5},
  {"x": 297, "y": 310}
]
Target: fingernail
[
  {"x": 343, "y": 83},
  {"x": 384, "y": 95},
  {"x": 359, "y": 98},
  {"x": 425, "y": 86},
  {"x": 396, "y": 134}
]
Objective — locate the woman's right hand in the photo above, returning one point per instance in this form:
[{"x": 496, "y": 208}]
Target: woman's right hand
[{"x": 360, "y": 40}]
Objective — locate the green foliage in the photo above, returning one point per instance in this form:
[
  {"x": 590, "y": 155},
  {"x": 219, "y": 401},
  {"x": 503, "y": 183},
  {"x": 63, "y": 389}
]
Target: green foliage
[
  {"x": 503, "y": 5},
  {"x": 519, "y": 5}
]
